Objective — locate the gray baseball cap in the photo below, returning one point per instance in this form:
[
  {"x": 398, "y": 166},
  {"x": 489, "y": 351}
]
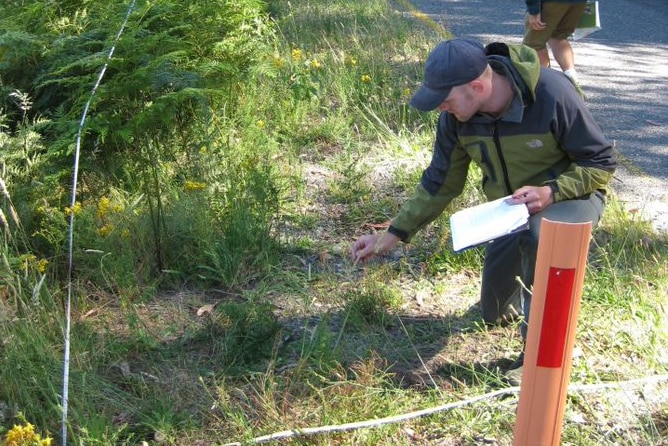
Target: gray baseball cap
[{"x": 452, "y": 63}]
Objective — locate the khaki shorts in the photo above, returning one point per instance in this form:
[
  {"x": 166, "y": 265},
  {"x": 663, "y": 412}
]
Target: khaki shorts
[{"x": 561, "y": 20}]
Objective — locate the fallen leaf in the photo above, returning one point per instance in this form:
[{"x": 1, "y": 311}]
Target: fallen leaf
[
  {"x": 125, "y": 369},
  {"x": 89, "y": 313},
  {"x": 206, "y": 309},
  {"x": 378, "y": 225}
]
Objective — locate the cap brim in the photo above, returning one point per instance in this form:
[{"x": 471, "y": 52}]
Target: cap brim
[{"x": 426, "y": 99}]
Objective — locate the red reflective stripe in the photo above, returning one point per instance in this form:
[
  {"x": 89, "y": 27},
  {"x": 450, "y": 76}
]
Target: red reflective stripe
[{"x": 557, "y": 310}]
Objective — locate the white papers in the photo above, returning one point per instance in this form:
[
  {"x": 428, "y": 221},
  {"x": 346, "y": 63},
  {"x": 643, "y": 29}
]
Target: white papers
[
  {"x": 485, "y": 222},
  {"x": 589, "y": 23}
]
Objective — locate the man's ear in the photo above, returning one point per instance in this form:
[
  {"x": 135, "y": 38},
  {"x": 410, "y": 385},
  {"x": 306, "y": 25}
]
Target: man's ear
[{"x": 477, "y": 85}]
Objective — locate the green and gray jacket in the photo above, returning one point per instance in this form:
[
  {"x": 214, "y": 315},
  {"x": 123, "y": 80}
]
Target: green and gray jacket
[
  {"x": 547, "y": 136},
  {"x": 533, "y": 6}
]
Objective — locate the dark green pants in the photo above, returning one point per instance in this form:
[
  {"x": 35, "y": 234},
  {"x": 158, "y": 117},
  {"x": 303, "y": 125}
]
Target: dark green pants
[{"x": 514, "y": 256}]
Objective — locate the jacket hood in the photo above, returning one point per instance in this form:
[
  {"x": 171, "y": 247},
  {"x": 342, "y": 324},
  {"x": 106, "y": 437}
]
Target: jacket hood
[{"x": 524, "y": 65}]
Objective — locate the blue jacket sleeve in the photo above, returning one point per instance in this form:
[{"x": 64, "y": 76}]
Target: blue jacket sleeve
[{"x": 533, "y": 6}]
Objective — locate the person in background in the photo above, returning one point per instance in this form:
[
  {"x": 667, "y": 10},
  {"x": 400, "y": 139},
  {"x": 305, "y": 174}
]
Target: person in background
[
  {"x": 533, "y": 137},
  {"x": 550, "y": 23}
]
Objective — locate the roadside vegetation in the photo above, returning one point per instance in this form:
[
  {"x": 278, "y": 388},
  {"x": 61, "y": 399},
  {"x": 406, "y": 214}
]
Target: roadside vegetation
[{"x": 232, "y": 153}]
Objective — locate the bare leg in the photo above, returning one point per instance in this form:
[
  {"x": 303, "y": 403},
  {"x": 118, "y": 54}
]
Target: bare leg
[
  {"x": 543, "y": 57},
  {"x": 563, "y": 53}
]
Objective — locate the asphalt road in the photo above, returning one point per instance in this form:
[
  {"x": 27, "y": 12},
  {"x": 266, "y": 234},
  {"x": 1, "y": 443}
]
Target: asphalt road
[{"x": 623, "y": 69}]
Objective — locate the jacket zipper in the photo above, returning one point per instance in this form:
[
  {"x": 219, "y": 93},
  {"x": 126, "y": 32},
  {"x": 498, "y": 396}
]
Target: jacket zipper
[{"x": 504, "y": 168}]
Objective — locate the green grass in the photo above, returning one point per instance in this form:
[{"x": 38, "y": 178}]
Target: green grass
[{"x": 260, "y": 322}]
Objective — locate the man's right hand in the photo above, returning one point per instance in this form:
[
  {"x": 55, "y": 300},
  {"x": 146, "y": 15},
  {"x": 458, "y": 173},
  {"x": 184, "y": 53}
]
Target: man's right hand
[
  {"x": 370, "y": 245},
  {"x": 536, "y": 23}
]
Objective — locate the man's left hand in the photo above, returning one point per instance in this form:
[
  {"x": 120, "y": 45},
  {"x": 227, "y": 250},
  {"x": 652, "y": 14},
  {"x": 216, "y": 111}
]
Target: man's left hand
[{"x": 536, "y": 198}]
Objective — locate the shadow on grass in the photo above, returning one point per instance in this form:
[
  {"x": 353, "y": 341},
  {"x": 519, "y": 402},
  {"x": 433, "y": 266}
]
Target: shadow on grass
[{"x": 421, "y": 353}]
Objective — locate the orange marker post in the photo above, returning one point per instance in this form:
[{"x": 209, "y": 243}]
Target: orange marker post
[{"x": 555, "y": 306}]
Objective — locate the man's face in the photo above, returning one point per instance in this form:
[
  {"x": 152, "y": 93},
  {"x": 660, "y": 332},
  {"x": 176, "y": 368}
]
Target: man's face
[{"x": 462, "y": 103}]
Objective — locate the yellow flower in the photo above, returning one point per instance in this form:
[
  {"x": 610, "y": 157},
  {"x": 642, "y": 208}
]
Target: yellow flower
[
  {"x": 105, "y": 230},
  {"x": 279, "y": 62},
  {"x": 194, "y": 185},
  {"x": 297, "y": 54},
  {"x": 315, "y": 64},
  {"x": 260, "y": 123},
  {"x": 350, "y": 60},
  {"x": 18, "y": 434},
  {"x": 103, "y": 206},
  {"x": 41, "y": 265},
  {"x": 27, "y": 261},
  {"x": 25, "y": 436},
  {"x": 76, "y": 209},
  {"x": 365, "y": 78}
]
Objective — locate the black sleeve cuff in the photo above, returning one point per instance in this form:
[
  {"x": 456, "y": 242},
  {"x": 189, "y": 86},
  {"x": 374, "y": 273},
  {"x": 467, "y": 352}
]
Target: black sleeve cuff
[{"x": 403, "y": 235}]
